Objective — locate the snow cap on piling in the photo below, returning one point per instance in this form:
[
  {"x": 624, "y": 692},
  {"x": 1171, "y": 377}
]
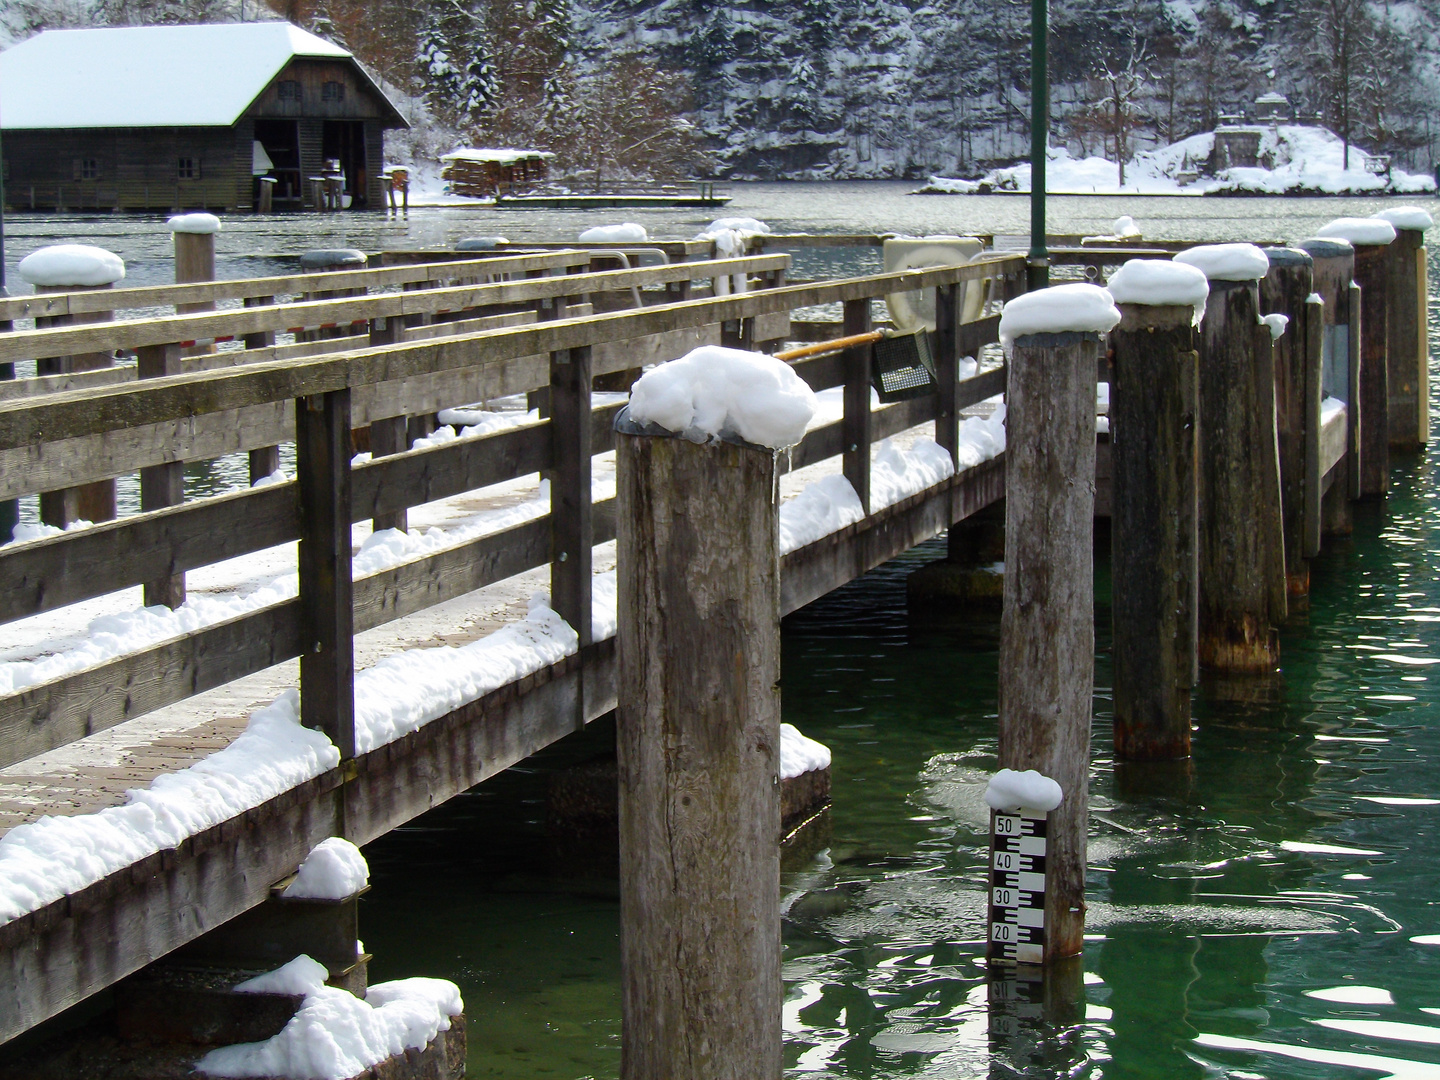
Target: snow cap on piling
[
  {"x": 1276, "y": 324},
  {"x": 1358, "y": 230},
  {"x": 1057, "y": 310},
  {"x": 1413, "y": 218},
  {"x": 195, "y": 223},
  {"x": 1029, "y": 790},
  {"x": 334, "y": 870},
  {"x": 1161, "y": 283},
  {"x": 72, "y": 264},
  {"x": 713, "y": 391},
  {"x": 1227, "y": 262},
  {"x": 628, "y": 233}
]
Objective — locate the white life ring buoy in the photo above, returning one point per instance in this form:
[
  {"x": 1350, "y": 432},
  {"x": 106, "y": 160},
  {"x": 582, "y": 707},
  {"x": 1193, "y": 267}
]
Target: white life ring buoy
[{"x": 912, "y": 310}]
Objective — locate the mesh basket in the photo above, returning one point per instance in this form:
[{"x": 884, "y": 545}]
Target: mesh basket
[{"x": 901, "y": 366}]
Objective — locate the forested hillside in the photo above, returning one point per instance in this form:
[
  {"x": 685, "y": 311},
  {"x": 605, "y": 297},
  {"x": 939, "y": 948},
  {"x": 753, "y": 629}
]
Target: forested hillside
[{"x": 849, "y": 88}]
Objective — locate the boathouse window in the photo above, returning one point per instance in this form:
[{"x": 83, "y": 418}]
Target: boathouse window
[
  {"x": 332, "y": 91},
  {"x": 289, "y": 90},
  {"x": 87, "y": 168},
  {"x": 189, "y": 168}
]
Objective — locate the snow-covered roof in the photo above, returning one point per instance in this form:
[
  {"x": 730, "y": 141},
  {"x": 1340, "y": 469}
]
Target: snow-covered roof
[
  {"x": 147, "y": 76},
  {"x": 502, "y": 156},
  {"x": 1272, "y": 98}
]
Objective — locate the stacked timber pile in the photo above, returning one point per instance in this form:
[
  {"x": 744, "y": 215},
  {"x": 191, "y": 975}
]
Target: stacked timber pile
[{"x": 483, "y": 174}]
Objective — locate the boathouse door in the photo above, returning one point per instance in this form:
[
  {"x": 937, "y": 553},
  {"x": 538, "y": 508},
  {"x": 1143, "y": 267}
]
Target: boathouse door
[
  {"x": 344, "y": 141},
  {"x": 281, "y": 140}
]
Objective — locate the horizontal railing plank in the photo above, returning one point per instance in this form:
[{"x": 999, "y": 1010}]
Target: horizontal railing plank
[
  {"x": 65, "y": 569},
  {"x": 344, "y": 311},
  {"x": 75, "y": 413},
  {"x": 147, "y": 296},
  {"x": 58, "y": 712}
]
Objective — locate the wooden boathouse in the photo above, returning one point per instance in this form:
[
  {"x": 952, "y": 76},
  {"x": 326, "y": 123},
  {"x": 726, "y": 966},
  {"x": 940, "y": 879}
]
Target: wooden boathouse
[{"x": 160, "y": 118}]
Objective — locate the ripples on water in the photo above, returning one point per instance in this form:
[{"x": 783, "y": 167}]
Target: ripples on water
[{"x": 1270, "y": 912}]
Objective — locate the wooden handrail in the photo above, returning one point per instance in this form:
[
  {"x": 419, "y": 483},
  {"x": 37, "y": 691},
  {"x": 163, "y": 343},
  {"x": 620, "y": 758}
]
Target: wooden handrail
[
  {"x": 209, "y": 325},
  {"x": 143, "y": 296},
  {"x": 77, "y": 413}
]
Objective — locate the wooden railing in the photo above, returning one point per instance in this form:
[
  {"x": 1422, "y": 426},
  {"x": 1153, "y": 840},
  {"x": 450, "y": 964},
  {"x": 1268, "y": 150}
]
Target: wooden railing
[{"x": 315, "y": 400}]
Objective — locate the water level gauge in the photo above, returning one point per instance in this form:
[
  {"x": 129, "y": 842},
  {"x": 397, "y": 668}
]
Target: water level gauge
[{"x": 1017, "y": 888}]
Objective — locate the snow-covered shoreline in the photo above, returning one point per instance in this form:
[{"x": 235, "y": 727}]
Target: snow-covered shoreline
[{"x": 1305, "y": 161}]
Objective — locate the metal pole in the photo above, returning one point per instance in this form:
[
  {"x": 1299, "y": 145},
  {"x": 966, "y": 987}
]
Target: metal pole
[
  {"x": 10, "y": 508},
  {"x": 1037, "y": 271}
]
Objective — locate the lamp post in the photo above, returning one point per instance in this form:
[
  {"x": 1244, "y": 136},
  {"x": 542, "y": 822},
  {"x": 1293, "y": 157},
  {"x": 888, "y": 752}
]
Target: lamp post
[
  {"x": 9, "y": 508},
  {"x": 1037, "y": 270}
]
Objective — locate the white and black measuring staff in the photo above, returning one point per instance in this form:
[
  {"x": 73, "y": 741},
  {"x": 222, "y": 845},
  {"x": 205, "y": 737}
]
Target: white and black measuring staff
[
  {"x": 1017, "y": 887},
  {"x": 1020, "y": 805}
]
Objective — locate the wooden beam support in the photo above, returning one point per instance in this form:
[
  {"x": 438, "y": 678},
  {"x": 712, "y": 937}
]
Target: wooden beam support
[
  {"x": 162, "y": 485},
  {"x": 1372, "y": 272},
  {"x": 698, "y": 741},
  {"x": 327, "y": 660},
  {"x": 1154, "y": 409},
  {"x": 1284, "y": 291},
  {"x": 1242, "y": 556},
  {"x": 947, "y": 355},
  {"x": 572, "y": 535},
  {"x": 1047, "y": 628}
]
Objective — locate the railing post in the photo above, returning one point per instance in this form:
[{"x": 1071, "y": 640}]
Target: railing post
[
  {"x": 571, "y": 532},
  {"x": 1284, "y": 290},
  {"x": 194, "y": 238},
  {"x": 698, "y": 740},
  {"x": 1154, "y": 406},
  {"x": 1047, "y": 631},
  {"x": 856, "y": 425},
  {"x": 327, "y": 664},
  {"x": 1242, "y": 547},
  {"x": 388, "y": 435},
  {"x": 94, "y": 501},
  {"x": 947, "y": 357},
  {"x": 162, "y": 485}
]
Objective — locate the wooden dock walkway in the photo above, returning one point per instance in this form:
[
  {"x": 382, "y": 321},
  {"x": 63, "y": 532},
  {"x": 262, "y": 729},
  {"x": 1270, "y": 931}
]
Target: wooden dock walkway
[{"x": 416, "y": 339}]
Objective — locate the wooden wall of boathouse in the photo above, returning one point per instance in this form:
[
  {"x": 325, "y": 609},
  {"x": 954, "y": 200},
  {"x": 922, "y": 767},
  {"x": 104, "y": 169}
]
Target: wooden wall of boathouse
[{"x": 140, "y": 169}]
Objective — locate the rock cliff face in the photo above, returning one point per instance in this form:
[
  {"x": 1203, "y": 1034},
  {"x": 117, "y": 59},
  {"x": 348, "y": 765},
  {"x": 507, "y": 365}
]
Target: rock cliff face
[{"x": 811, "y": 89}]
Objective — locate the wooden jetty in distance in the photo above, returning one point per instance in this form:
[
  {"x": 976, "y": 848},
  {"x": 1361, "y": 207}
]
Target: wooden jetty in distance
[
  {"x": 373, "y": 368},
  {"x": 698, "y": 193}
]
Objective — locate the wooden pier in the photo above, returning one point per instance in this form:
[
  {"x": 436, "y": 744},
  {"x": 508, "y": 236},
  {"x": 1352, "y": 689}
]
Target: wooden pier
[{"x": 415, "y": 338}]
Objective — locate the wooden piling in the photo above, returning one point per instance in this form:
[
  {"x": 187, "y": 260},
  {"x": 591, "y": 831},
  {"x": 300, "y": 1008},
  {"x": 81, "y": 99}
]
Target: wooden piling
[
  {"x": 1047, "y": 633},
  {"x": 698, "y": 743},
  {"x": 1372, "y": 271},
  {"x": 1242, "y": 544},
  {"x": 1284, "y": 291},
  {"x": 1333, "y": 276},
  {"x": 1409, "y": 382},
  {"x": 1154, "y": 406}
]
